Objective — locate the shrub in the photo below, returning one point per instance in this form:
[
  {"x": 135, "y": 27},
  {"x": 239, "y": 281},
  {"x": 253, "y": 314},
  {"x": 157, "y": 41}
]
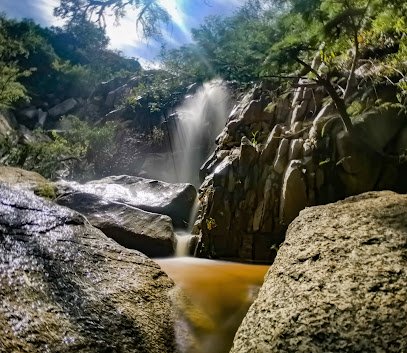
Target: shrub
[{"x": 75, "y": 153}]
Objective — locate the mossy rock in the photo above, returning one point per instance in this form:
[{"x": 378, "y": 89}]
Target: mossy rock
[
  {"x": 26, "y": 180},
  {"x": 46, "y": 191}
]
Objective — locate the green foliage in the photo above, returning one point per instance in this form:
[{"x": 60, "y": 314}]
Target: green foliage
[
  {"x": 72, "y": 153},
  {"x": 211, "y": 223},
  {"x": 11, "y": 89},
  {"x": 254, "y": 139},
  {"x": 233, "y": 48},
  {"x": 46, "y": 191},
  {"x": 155, "y": 92},
  {"x": 64, "y": 62},
  {"x": 157, "y": 136},
  {"x": 151, "y": 14}
]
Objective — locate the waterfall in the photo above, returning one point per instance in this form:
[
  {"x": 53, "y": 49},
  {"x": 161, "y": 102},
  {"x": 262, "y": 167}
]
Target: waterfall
[
  {"x": 199, "y": 119},
  {"x": 184, "y": 237},
  {"x": 192, "y": 132}
]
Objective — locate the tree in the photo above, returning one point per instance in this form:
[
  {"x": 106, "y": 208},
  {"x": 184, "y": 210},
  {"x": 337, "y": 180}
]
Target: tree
[
  {"x": 11, "y": 72},
  {"x": 150, "y": 16},
  {"x": 341, "y": 26},
  {"x": 233, "y": 48}
]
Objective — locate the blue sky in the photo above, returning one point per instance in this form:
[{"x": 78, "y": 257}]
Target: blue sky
[{"x": 186, "y": 14}]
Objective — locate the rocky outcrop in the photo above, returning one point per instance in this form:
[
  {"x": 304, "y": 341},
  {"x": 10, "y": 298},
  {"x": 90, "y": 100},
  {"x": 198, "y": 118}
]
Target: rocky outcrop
[
  {"x": 8, "y": 123},
  {"x": 150, "y": 233},
  {"x": 21, "y": 178},
  {"x": 281, "y": 152},
  {"x": 173, "y": 200},
  {"x": 63, "y": 108},
  {"x": 26, "y": 180},
  {"x": 338, "y": 283},
  {"x": 65, "y": 286}
]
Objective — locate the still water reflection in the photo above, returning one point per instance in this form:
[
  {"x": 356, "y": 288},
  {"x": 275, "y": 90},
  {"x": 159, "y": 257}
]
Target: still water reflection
[{"x": 223, "y": 290}]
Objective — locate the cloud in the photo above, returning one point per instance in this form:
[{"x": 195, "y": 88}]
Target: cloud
[{"x": 126, "y": 37}]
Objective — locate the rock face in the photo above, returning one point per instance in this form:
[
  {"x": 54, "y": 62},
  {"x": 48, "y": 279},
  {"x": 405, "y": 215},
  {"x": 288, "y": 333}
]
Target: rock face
[
  {"x": 63, "y": 108},
  {"x": 338, "y": 283},
  {"x": 150, "y": 233},
  {"x": 65, "y": 287},
  {"x": 173, "y": 200},
  {"x": 8, "y": 123},
  {"x": 26, "y": 180},
  {"x": 281, "y": 152}
]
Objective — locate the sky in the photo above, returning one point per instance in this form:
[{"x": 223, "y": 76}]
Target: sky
[{"x": 186, "y": 14}]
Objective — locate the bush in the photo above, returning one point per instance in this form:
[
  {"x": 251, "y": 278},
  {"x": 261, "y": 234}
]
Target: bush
[{"x": 80, "y": 152}]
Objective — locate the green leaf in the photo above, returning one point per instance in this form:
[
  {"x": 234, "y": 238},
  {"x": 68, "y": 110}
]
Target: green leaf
[{"x": 325, "y": 161}]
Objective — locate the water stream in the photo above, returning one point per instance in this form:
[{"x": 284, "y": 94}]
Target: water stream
[
  {"x": 223, "y": 290},
  {"x": 192, "y": 130}
]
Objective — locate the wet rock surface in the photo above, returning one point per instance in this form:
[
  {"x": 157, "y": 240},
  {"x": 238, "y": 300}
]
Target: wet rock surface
[
  {"x": 173, "y": 200},
  {"x": 338, "y": 283},
  {"x": 65, "y": 286},
  {"x": 150, "y": 233}
]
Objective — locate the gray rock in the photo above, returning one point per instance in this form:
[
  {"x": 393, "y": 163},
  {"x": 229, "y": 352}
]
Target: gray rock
[
  {"x": 114, "y": 97},
  {"x": 66, "y": 287},
  {"x": 42, "y": 117},
  {"x": 8, "y": 123},
  {"x": 281, "y": 159},
  {"x": 293, "y": 193},
  {"x": 295, "y": 149},
  {"x": 299, "y": 112},
  {"x": 273, "y": 140},
  {"x": 150, "y": 233},
  {"x": 28, "y": 117},
  {"x": 248, "y": 155},
  {"x": 63, "y": 108},
  {"x": 28, "y": 136},
  {"x": 338, "y": 284},
  {"x": 103, "y": 88},
  {"x": 360, "y": 167},
  {"x": 21, "y": 179},
  {"x": 173, "y": 200}
]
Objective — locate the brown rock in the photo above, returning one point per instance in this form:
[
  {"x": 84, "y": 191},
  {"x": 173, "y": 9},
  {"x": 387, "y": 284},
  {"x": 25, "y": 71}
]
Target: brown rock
[{"x": 338, "y": 284}]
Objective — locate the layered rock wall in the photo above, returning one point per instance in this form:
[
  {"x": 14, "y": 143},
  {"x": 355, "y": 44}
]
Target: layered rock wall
[{"x": 279, "y": 153}]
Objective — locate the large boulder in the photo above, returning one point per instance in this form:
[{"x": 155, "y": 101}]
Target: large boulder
[
  {"x": 63, "y": 108},
  {"x": 173, "y": 200},
  {"x": 28, "y": 117},
  {"x": 66, "y": 287},
  {"x": 150, "y": 233},
  {"x": 26, "y": 180},
  {"x": 338, "y": 284},
  {"x": 21, "y": 178}
]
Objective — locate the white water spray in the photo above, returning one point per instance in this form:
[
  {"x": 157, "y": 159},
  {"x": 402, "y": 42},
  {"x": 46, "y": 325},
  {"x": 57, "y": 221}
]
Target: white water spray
[
  {"x": 201, "y": 118},
  {"x": 184, "y": 237}
]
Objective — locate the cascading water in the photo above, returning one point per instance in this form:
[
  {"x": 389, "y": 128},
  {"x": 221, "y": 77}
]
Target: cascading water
[
  {"x": 199, "y": 119},
  {"x": 222, "y": 291},
  {"x": 184, "y": 237}
]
